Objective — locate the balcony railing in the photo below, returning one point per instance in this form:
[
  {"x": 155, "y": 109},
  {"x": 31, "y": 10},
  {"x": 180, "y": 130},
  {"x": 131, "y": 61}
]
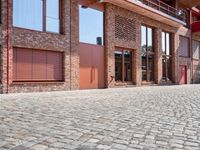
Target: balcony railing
[{"x": 167, "y": 9}]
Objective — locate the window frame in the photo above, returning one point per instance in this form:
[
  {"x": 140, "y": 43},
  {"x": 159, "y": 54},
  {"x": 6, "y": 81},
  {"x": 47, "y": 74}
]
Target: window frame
[
  {"x": 166, "y": 56},
  {"x": 148, "y": 53},
  {"x": 44, "y": 7},
  {"x": 123, "y": 64}
]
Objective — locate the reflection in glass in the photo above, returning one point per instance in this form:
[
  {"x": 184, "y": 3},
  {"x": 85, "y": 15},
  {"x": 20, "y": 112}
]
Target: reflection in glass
[
  {"x": 26, "y": 16},
  {"x": 147, "y": 53},
  {"x": 144, "y": 67},
  {"x": 163, "y": 43},
  {"x": 127, "y": 65},
  {"x": 118, "y": 65},
  {"x": 150, "y": 40},
  {"x": 52, "y": 16},
  {"x": 143, "y": 38},
  {"x": 163, "y": 68},
  {"x": 151, "y": 69},
  {"x": 169, "y": 70},
  {"x": 167, "y": 44}
]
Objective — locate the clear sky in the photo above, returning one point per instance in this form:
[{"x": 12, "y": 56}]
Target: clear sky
[{"x": 91, "y": 25}]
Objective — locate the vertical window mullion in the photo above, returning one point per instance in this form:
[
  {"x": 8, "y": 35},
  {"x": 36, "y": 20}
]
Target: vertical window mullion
[{"x": 123, "y": 65}]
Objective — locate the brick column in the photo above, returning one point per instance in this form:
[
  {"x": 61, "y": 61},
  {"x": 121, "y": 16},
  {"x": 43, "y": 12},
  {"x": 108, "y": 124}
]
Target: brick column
[
  {"x": 3, "y": 54},
  {"x": 74, "y": 45},
  {"x": 109, "y": 26},
  {"x": 158, "y": 56},
  {"x": 175, "y": 58}
]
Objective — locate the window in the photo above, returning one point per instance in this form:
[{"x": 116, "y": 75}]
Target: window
[
  {"x": 91, "y": 26},
  {"x": 37, "y": 65},
  {"x": 147, "y": 53},
  {"x": 195, "y": 49},
  {"x": 184, "y": 47},
  {"x": 166, "y": 56},
  {"x": 46, "y": 18},
  {"x": 123, "y": 65}
]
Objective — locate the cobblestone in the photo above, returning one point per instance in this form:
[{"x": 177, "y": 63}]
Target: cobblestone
[{"x": 146, "y": 118}]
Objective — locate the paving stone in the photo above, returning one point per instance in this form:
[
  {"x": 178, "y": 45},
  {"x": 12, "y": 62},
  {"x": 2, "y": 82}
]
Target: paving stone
[{"x": 148, "y": 118}]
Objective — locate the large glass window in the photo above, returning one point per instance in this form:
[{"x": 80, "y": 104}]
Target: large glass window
[
  {"x": 123, "y": 65},
  {"x": 166, "y": 56},
  {"x": 29, "y": 14},
  {"x": 91, "y": 25},
  {"x": 147, "y": 53}
]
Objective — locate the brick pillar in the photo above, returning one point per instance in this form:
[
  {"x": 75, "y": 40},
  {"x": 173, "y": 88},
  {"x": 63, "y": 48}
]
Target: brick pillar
[
  {"x": 3, "y": 54},
  {"x": 158, "y": 56},
  {"x": 109, "y": 26},
  {"x": 138, "y": 56},
  {"x": 175, "y": 58},
  {"x": 74, "y": 45}
]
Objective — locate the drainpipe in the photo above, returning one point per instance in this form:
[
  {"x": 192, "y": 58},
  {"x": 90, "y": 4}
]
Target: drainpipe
[
  {"x": 70, "y": 45},
  {"x": 7, "y": 43}
]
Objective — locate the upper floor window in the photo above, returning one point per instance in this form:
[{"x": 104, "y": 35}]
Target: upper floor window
[
  {"x": 91, "y": 25},
  {"x": 40, "y": 15},
  {"x": 184, "y": 47}
]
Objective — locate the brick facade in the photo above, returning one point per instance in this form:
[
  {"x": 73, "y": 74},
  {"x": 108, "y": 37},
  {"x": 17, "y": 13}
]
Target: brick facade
[{"x": 68, "y": 42}]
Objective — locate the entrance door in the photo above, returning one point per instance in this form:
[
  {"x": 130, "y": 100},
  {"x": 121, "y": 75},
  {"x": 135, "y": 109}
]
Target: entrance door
[
  {"x": 91, "y": 66},
  {"x": 183, "y": 74}
]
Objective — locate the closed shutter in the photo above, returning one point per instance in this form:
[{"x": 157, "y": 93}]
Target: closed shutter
[
  {"x": 184, "y": 46},
  {"x": 22, "y": 64},
  {"x": 54, "y": 66},
  {"x": 37, "y": 65}
]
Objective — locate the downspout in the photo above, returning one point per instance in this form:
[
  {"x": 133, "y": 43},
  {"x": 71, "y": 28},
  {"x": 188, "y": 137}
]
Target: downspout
[
  {"x": 70, "y": 45},
  {"x": 191, "y": 46},
  {"x": 7, "y": 43}
]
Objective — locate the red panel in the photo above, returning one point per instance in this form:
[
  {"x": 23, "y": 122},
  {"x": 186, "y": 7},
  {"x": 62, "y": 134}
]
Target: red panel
[
  {"x": 24, "y": 64},
  {"x": 39, "y": 65},
  {"x": 54, "y": 66},
  {"x": 183, "y": 74},
  {"x": 91, "y": 66},
  {"x": 196, "y": 26}
]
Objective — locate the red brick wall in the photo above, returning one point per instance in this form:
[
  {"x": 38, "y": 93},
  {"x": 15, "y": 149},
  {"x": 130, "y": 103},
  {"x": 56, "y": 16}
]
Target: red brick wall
[{"x": 45, "y": 41}]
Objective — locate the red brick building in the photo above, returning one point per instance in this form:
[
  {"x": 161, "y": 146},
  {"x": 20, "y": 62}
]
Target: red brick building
[{"x": 83, "y": 44}]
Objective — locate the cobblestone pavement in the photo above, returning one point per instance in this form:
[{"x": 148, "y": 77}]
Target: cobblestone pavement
[{"x": 126, "y": 119}]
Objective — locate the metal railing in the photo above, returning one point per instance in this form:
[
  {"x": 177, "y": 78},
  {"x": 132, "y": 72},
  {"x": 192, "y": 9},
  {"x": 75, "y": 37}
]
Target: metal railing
[{"x": 165, "y": 8}]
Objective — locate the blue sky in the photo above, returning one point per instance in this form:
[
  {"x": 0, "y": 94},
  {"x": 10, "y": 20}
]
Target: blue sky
[{"x": 91, "y": 25}]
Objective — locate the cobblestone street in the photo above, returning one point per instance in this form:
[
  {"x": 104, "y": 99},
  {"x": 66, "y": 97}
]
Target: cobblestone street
[{"x": 125, "y": 119}]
